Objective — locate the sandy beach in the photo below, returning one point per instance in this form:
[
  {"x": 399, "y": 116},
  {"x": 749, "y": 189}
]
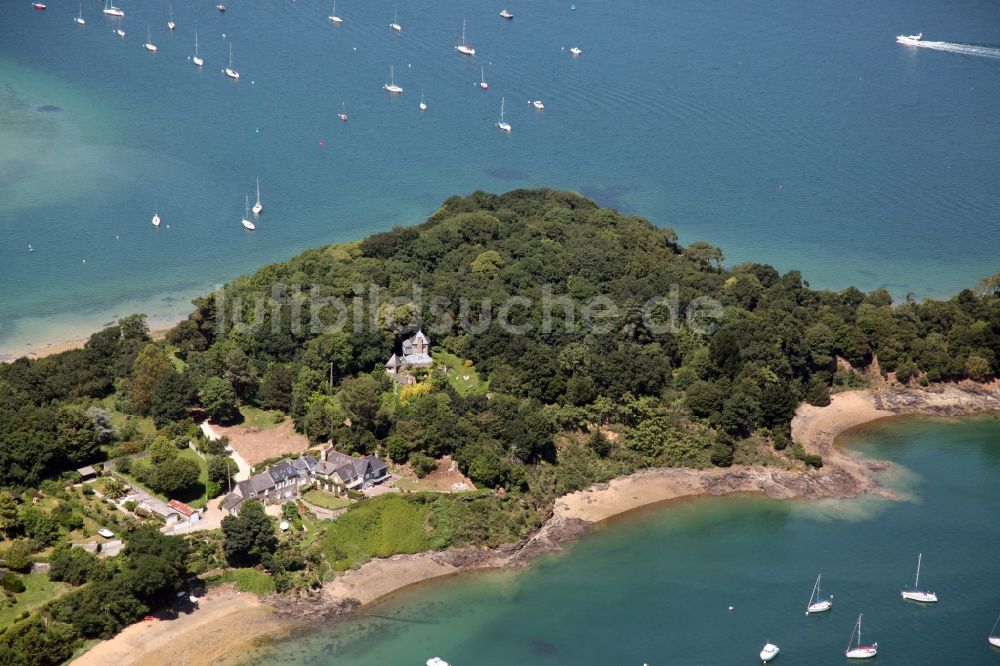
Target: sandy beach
[
  {"x": 48, "y": 349},
  {"x": 229, "y": 622}
]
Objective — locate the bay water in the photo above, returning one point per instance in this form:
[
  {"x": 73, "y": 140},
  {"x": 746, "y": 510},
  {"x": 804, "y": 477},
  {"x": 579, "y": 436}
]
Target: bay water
[
  {"x": 654, "y": 587},
  {"x": 798, "y": 134}
]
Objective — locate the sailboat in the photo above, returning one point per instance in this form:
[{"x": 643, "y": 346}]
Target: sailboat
[
  {"x": 230, "y": 72},
  {"x": 79, "y": 19},
  {"x": 246, "y": 214},
  {"x": 391, "y": 85},
  {"x": 993, "y": 638},
  {"x": 395, "y": 24},
  {"x": 423, "y": 106},
  {"x": 916, "y": 593},
  {"x": 170, "y": 23},
  {"x": 501, "y": 125},
  {"x": 119, "y": 31},
  {"x": 111, "y": 10},
  {"x": 156, "y": 216},
  {"x": 859, "y": 651},
  {"x": 258, "y": 207},
  {"x": 816, "y": 603},
  {"x": 343, "y": 111},
  {"x": 149, "y": 45},
  {"x": 196, "y": 59},
  {"x": 769, "y": 652},
  {"x": 464, "y": 48},
  {"x": 482, "y": 79},
  {"x": 333, "y": 15}
]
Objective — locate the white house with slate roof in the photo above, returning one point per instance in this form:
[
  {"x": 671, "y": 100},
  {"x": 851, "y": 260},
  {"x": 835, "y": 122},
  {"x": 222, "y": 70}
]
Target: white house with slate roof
[{"x": 282, "y": 481}]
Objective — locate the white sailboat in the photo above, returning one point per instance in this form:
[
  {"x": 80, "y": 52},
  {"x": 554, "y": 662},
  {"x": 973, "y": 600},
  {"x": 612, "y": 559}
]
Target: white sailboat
[
  {"x": 258, "y": 207},
  {"x": 816, "y": 603},
  {"x": 149, "y": 45},
  {"x": 395, "y": 22},
  {"x": 119, "y": 31},
  {"x": 482, "y": 79},
  {"x": 916, "y": 593},
  {"x": 859, "y": 651},
  {"x": 769, "y": 652},
  {"x": 333, "y": 15},
  {"x": 198, "y": 62},
  {"x": 501, "y": 124},
  {"x": 111, "y": 10},
  {"x": 423, "y": 106},
  {"x": 156, "y": 216},
  {"x": 343, "y": 111},
  {"x": 170, "y": 23},
  {"x": 246, "y": 214},
  {"x": 464, "y": 47},
  {"x": 391, "y": 85},
  {"x": 993, "y": 638},
  {"x": 79, "y": 18},
  {"x": 230, "y": 72}
]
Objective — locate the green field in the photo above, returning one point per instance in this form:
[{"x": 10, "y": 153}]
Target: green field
[
  {"x": 379, "y": 527},
  {"x": 262, "y": 419},
  {"x": 38, "y": 589},
  {"x": 326, "y": 500},
  {"x": 457, "y": 372}
]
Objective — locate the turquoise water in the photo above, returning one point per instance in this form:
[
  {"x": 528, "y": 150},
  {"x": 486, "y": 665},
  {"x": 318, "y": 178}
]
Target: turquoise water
[
  {"x": 793, "y": 133},
  {"x": 655, "y": 586}
]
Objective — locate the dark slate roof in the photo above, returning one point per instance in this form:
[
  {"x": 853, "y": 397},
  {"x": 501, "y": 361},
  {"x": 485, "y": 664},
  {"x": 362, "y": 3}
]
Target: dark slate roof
[
  {"x": 347, "y": 473},
  {"x": 231, "y": 501},
  {"x": 262, "y": 482},
  {"x": 282, "y": 471},
  {"x": 87, "y": 471},
  {"x": 324, "y": 468},
  {"x": 304, "y": 464},
  {"x": 376, "y": 465},
  {"x": 245, "y": 488},
  {"x": 393, "y": 362}
]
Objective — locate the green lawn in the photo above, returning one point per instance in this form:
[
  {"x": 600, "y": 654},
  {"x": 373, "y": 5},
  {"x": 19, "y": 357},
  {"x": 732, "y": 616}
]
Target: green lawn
[
  {"x": 38, "y": 590},
  {"x": 262, "y": 419},
  {"x": 194, "y": 496},
  {"x": 326, "y": 500},
  {"x": 379, "y": 527},
  {"x": 457, "y": 372},
  {"x": 251, "y": 580}
]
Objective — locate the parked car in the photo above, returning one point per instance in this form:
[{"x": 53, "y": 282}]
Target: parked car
[{"x": 105, "y": 532}]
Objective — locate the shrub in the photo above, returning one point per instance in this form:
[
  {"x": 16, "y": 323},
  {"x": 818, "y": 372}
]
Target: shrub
[
  {"x": 12, "y": 583},
  {"x": 422, "y": 464}
]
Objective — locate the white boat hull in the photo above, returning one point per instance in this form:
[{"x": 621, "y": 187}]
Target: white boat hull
[
  {"x": 820, "y": 607},
  {"x": 247, "y": 224},
  {"x": 862, "y": 652},
  {"x": 504, "y": 127},
  {"x": 197, "y": 61},
  {"x": 396, "y": 27},
  {"x": 257, "y": 209},
  {"x": 114, "y": 11},
  {"x": 336, "y": 19},
  {"x": 919, "y": 595},
  {"x": 120, "y": 33},
  {"x": 994, "y": 641},
  {"x": 394, "y": 89},
  {"x": 465, "y": 50},
  {"x": 80, "y": 21},
  {"x": 769, "y": 652},
  {"x": 232, "y": 73},
  {"x": 149, "y": 47}
]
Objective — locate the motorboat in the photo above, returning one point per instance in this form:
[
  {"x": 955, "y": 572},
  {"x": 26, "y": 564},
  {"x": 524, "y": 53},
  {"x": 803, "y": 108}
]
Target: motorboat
[
  {"x": 437, "y": 661},
  {"x": 910, "y": 40},
  {"x": 575, "y": 51},
  {"x": 769, "y": 652},
  {"x": 538, "y": 104},
  {"x": 506, "y": 14},
  {"x": 221, "y": 7}
]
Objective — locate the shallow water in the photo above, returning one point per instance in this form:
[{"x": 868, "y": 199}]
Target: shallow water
[
  {"x": 655, "y": 586},
  {"x": 796, "y": 134}
]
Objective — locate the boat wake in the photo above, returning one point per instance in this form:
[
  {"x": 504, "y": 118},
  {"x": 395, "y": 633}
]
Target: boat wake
[{"x": 950, "y": 47}]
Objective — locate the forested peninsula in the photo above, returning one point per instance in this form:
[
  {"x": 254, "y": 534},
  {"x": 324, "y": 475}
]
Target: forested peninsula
[{"x": 568, "y": 345}]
